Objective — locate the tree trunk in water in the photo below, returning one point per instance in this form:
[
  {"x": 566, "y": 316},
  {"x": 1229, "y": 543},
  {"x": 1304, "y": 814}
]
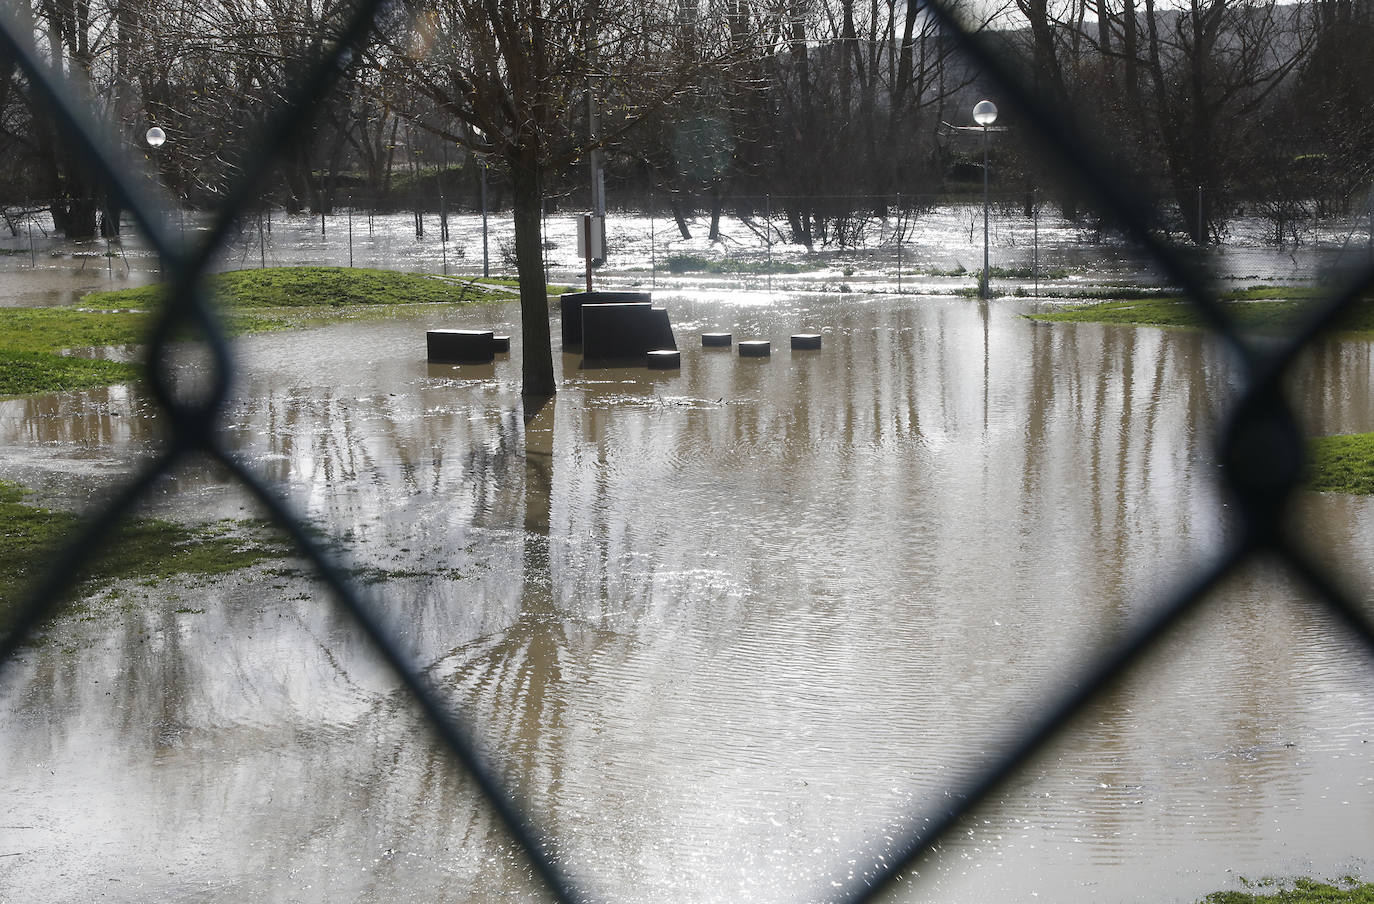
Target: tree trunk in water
[
  {"x": 75, "y": 217},
  {"x": 681, "y": 218},
  {"x": 800, "y": 225},
  {"x": 109, "y": 217},
  {"x": 74, "y": 206},
  {"x": 536, "y": 340}
]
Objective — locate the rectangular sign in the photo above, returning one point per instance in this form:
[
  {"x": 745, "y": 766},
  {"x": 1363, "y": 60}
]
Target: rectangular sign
[{"x": 598, "y": 237}]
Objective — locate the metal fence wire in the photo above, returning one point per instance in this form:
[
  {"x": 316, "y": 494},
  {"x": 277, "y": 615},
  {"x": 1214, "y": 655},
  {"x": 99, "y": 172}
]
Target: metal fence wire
[{"x": 1261, "y": 446}]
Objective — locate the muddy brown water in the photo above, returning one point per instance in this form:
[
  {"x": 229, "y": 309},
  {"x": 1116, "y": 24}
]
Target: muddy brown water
[{"x": 726, "y": 631}]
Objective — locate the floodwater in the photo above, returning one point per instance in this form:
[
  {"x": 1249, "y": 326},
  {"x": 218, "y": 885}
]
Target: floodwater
[{"x": 727, "y": 631}]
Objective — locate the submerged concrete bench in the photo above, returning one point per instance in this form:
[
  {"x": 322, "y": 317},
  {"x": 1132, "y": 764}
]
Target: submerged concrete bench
[
  {"x": 461, "y": 346},
  {"x": 622, "y": 332},
  {"x": 571, "y": 304}
]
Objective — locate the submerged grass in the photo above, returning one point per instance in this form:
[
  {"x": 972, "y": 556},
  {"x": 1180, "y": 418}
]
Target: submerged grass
[
  {"x": 151, "y": 549},
  {"x": 696, "y": 263},
  {"x": 34, "y": 342}
]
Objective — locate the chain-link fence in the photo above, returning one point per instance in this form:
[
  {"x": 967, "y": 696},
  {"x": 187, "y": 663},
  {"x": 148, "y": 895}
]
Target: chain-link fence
[{"x": 1261, "y": 445}]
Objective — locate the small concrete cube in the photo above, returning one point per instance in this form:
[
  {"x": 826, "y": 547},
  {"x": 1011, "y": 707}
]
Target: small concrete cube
[
  {"x": 755, "y": 348},
  {"x": 806, "y": 340},
  {"x": 664, "y": 359},
  {"x": 716, "y": 340}
]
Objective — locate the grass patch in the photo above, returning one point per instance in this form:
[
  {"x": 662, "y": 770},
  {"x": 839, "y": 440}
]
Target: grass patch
[
  {"x": 1299, "y": 891},
  {"x": 310, "y": 287},
  {"x": 696, "y": 263},
  {"x": 25, "y": 372},
  {"x": 1143, "y": 311},
  {"x": 33, "y": 341},
  {"x": 54, "y": 329},
  {"x": 1342, "y": 464},
  {"x": 145, "y": 549},
  {"x": 996, "y": 272},
  {"x": 1109, "y": 293},
  {"x": 1263, "y": 309},
  {"x": 1025, "y": 273}
]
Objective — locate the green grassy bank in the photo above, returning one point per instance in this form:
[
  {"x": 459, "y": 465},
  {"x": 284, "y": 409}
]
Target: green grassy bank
[{"x": 36, "y": 343}]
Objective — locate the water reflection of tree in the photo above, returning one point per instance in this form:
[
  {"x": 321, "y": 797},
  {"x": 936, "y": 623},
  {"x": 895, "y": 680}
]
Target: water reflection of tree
[{"x": 509, "y": 685}]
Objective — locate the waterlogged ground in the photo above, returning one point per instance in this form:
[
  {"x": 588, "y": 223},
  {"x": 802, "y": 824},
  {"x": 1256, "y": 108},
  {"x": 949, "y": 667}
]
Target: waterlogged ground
[
  {"x": 727, "y": 631},
  {"x": 916, "y": 251}
]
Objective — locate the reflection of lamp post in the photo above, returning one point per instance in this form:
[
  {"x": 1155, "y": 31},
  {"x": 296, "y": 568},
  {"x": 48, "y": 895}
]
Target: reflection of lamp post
[{"x": 985, "y": 114}]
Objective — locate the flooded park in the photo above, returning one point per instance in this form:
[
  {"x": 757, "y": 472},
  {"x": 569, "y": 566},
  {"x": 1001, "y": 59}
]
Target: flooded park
[{"x": 727, "y": 631}]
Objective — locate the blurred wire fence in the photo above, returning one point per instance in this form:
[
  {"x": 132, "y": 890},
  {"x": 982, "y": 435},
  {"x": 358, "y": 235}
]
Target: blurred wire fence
[{"x": 1261, "y": 446}]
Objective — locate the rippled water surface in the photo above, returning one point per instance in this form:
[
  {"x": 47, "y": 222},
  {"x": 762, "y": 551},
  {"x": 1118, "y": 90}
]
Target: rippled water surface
[{"x": 727, "y": 631}]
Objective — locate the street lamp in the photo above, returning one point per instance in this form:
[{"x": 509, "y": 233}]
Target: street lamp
[
  {"x": 985, "y": 114},
  {"x": 481, "y": 157},
  {"x": 156, "y": 138},
  {"x": 486, "y": 268}
]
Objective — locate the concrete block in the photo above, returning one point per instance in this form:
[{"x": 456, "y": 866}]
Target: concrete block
[
  {"x": 624, "y": 332},
  {"x": 664, "y": 359},
  {"x": 460, "y": 346},
  {"x": 570, "y": 306}
]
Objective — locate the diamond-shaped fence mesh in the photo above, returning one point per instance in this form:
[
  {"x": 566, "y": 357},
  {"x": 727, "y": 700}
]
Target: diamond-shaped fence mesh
[{"x": 1261, "y": 446}]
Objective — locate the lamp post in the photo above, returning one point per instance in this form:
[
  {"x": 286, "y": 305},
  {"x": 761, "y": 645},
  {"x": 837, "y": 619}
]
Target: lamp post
[
  {"x": 985, "y": 114},
  {"x": 155, "y": 138},
  {"x": 481, "y": 157},
  {"x": 486, "y": 268}
]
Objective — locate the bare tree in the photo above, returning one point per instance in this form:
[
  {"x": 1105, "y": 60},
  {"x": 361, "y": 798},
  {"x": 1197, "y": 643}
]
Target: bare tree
[{"x": 506, "y": 78}]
